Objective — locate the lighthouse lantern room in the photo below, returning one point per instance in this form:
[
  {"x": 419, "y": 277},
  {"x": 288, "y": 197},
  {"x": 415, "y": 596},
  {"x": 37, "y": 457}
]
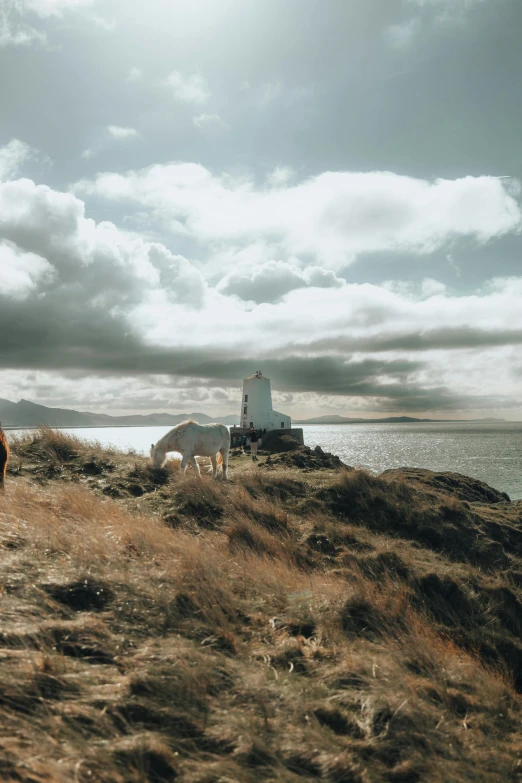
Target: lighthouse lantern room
[{"x": 256, "y": 405}]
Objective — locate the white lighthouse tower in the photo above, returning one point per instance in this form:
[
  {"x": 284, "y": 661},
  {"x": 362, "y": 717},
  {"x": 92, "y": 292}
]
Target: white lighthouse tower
[{"x": 256, "y": 405}]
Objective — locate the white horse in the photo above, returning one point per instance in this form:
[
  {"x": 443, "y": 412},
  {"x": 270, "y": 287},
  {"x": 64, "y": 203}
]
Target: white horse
[{"x": 191, "y": 439}]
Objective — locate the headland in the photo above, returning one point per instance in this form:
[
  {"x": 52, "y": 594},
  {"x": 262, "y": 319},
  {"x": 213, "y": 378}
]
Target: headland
[{"x": 303, "y": 621}]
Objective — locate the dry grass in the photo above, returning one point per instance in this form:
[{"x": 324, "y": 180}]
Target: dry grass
[{"x": 272, "y": 628}]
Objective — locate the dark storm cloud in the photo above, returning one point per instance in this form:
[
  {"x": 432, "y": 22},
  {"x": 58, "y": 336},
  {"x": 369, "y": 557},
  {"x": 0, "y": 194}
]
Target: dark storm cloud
[
  {"x": 442, "y": 399},
  {"x": 447, "y": 338},
  {"x": 393, "y": 381},
  {"x": 87, "y": 340},
  {"x": 74, "y": 336}
]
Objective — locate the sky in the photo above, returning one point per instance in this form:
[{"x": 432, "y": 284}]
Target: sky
[{"x": 192, "y": 190}]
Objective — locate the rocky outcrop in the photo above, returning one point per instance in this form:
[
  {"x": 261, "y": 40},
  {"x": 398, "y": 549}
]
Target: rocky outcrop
[
  {"x": 462, "y": 487},
  {"x": 278, "y": 441},
  {"x": 306, "y": 459}
]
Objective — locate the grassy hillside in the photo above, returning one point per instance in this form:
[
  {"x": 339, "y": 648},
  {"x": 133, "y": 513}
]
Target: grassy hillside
[{"x": 296, "y": 623}]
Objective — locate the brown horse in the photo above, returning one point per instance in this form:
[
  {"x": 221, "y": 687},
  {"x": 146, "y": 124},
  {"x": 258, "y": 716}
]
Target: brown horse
[{"x": 4, "y": 457}]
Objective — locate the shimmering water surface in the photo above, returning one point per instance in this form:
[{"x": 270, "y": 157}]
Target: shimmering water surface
[{"x": 489, "y": 451}]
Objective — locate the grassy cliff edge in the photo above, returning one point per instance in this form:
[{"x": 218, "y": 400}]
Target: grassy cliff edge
[{"x": 303, "y": 621}]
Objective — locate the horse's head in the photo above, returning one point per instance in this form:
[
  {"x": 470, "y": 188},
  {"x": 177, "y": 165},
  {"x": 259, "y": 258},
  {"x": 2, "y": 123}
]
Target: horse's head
[{"x": 158, "y": 456}]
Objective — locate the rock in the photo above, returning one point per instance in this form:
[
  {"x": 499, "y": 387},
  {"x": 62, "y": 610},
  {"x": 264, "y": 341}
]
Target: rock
[
  {"x": 305, "y": 459},
  {"x": 275, "y": 443}
]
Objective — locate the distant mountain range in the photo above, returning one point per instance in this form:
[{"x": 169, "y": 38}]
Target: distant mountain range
[
  {"x": 334, "y": 419},
  {"x": 30, "y": 414}
]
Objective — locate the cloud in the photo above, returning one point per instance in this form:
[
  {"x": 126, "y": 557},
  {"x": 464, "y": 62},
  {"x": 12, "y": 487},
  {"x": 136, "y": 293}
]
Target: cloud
[
  {"x": 12, "y": 155},
  {"x": 135, "y": 74},
  {"x": 113, "y": 266},
  {"x": 332, "y": 217},
  {"x": 192, "y": 88},
  {"x": 443, "y": 339},
  {"x": 129, "y": 306},
  {"x": 401, "y": 35},
  {"x": 98, "y": 275},
  {"x": 116, "y": 394},
  {"x": 13, "y": 31},
  {"x": 102, "y": 138},
  {"x": 45, "y": 8},
  {"x": 16, "y": 31},
  {"x": 268, "y": 93},
  {"x": 103, "y": 23},
  {"x": 429, "y": 14},
  {"x": 107, "y": 284},
  {"x": 21, "y": 272},
  {"x": 448, "y": 6},
  {"x": 451, "y": 261},
  {"x": 271, "y": 281},
  {"x": 280, "y": 176},
  {"x": 117, "y": 132},
  {"x": 208, "y": 122}
]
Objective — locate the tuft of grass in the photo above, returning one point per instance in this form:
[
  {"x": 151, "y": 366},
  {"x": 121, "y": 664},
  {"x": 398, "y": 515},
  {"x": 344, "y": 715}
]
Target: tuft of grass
[
  {"x": 265, "y": 514},
  {"x": 200, "y": 500},
  {"x": 244, "y": 536},
  {"x": 48, "y": 444}
]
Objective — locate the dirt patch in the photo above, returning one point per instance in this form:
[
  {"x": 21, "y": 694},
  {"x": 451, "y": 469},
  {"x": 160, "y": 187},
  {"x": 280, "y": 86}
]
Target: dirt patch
[
  {"x": 338, "y": 721},
  {"x": 83, "y": 595},
  {"x": 146, "y": 758}
]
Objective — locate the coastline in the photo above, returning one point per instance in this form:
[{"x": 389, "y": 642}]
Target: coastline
[{"x": 296, "y": 423}]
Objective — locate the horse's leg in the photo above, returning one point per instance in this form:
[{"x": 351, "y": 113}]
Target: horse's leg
[
  {"x": 224, "y": 456},
  {"x": 214, "y": 465},
  {"x": 194, "y": 463},
  {"x": 184, "y": 462}
]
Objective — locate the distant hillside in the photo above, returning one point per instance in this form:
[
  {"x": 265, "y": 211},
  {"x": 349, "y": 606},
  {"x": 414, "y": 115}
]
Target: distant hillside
[
  {"x": 334, "y": 419},
  {"x": 29, "y": 414},
  {"x": 328, "y": 419}
]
